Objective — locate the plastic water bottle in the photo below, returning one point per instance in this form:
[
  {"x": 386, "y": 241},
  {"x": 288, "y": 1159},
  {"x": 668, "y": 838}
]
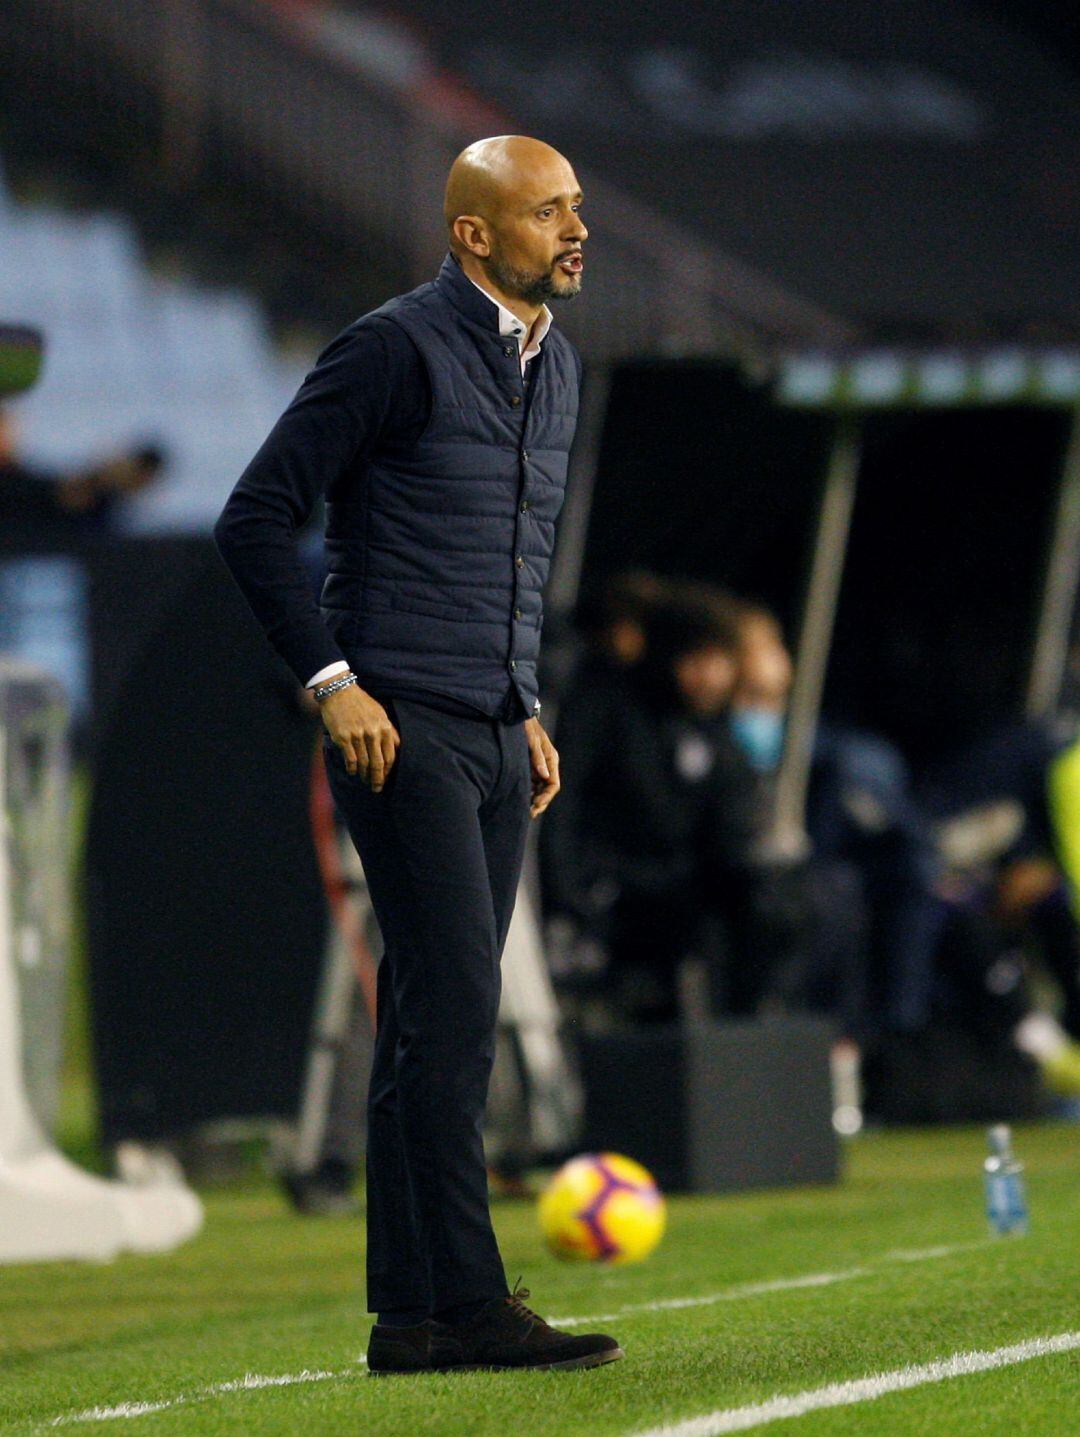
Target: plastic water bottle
[{"x": 1006, "y": 1200}]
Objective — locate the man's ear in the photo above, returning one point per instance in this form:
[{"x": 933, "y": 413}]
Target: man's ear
[{"x": 470, "y": 231}]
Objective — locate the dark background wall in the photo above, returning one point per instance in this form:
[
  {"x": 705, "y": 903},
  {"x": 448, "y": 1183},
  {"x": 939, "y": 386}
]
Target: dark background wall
[
  {"x": 944, "y": 574},
  {"x": 701, "y": 475},
  {"x": 205, "y": 914}
]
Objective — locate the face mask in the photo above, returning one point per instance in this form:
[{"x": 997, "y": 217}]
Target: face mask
[{"x": 759, "y": 732}]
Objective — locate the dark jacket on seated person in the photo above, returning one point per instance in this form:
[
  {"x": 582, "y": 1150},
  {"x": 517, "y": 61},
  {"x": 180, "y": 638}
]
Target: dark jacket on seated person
[{"x": 657, "y": 819}]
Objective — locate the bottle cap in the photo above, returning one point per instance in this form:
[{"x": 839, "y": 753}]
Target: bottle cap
[{"x": 999, "y": 1138}]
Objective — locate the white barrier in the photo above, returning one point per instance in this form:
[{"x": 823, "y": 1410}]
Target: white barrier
[{"x": 49, "y": 1208}]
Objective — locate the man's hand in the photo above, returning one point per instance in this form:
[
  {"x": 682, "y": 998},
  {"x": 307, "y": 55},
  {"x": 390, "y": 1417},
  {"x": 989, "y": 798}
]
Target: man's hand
[
  {"x": 362, "y": 730},
  {"x": 545, "y": 767}
]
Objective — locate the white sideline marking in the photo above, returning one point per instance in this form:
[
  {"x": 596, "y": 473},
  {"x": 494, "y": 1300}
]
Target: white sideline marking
[
  {"x": 921, "y": 1254},
  {"x": 778, "y": 1284},
  {"x": 728, "y": 1294},
  {"x": 251, "y": 1382},
  {"x": 866, "y": 1389}
]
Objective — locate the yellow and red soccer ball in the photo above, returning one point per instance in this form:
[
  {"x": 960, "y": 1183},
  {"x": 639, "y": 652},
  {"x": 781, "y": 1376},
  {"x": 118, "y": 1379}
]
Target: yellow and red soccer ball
[{"x": 602, "y": 1207}]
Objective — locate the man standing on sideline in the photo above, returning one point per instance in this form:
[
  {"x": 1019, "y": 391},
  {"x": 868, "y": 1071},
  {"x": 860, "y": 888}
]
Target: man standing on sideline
[{"x": 439, "y": 427}]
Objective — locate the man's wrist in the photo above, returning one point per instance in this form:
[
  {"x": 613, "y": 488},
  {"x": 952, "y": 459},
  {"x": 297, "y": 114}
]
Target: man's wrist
[{"x": 334, "y": 685}]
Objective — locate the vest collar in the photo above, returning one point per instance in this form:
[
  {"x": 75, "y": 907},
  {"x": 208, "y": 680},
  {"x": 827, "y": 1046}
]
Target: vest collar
[{"x": 455, "y": 284}]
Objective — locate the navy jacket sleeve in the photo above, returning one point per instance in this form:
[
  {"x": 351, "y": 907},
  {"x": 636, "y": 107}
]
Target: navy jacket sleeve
[{"x": 369, "y": 380}]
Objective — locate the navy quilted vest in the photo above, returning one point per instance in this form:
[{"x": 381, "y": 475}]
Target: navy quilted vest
[{"x": 436, "y": 566}]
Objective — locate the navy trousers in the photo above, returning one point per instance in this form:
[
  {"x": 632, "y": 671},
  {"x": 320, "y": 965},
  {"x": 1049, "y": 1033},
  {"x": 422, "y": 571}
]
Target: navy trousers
[{"x": 442, "y": 847}]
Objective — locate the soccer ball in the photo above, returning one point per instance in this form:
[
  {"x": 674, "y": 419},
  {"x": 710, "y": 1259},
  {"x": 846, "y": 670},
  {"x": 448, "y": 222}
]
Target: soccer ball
[{"x": 602, "y": 1207}]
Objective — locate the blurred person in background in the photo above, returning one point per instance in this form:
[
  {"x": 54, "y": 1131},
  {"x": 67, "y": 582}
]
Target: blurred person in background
[
  {"x": 48, "y": 520},
  {"x": 42, "y": 507},
  {"x": 652, "y": 851},
  {"x": 914, "y": 950},
  {"x": 868, "y": 953},
  {"x": 1008, "y": 823},
  {"x": 612, "y": 617}
]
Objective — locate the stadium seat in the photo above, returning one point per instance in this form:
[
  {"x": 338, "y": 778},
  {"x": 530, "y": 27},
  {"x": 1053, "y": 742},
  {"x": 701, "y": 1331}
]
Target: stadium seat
[{"x": 132, "y": 356}]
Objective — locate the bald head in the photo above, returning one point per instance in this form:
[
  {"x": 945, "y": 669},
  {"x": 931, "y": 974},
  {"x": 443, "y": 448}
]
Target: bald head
[
  {"x": 492, "y": 175},
  {"x": 511, "y": 209}
]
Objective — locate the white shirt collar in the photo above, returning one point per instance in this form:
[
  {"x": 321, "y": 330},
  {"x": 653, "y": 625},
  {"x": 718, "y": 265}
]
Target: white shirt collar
[{"x": 509, "y": 324}]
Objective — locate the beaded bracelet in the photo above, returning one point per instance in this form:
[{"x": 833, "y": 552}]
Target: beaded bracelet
[{"x": 323, "y": 691}]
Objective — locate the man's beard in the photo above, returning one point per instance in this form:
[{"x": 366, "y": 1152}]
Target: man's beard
[{"x": 528, "y": 285}]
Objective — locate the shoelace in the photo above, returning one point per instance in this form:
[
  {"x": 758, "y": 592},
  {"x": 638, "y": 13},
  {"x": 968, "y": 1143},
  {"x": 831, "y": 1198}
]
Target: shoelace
[{"x": 516, "y": 1302}]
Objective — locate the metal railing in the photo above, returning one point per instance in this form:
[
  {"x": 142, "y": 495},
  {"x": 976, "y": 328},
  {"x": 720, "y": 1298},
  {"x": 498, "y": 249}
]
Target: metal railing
[{"x": 240, "y": 89}]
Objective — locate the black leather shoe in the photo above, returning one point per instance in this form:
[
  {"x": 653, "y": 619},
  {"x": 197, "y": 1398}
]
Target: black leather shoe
[
  {"x": 506, "y": 1334},
  {"x": 400, "y": 1349}
]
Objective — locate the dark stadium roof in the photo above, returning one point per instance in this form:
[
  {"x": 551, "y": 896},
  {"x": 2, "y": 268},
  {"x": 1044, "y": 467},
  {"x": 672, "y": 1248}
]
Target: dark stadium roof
[{"x": 909, "y": 165}]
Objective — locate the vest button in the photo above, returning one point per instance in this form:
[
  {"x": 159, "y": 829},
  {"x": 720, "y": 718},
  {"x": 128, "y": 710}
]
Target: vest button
[
  {"x": 517, "y": 613},
  {"x": 524, "y": 456},
  {"x": 513, "y": 665},
  {"x": 519, "y": 561},
  {"x": 508, "y": 350},
  {"x": 524, "y": 505},
  {"x": 515, "y": 400}
]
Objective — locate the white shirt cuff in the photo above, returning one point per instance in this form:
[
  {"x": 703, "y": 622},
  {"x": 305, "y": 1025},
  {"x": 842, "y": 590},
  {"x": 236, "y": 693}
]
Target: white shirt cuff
[{"x": 341, "y": 667}]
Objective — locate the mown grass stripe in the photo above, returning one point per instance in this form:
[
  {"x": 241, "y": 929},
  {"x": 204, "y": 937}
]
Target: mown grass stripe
[{"x": 865, "y": 1389}]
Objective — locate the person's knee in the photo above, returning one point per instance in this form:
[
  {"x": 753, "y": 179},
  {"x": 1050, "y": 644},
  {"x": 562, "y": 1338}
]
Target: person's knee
[{"x": 442, "y": 1031}]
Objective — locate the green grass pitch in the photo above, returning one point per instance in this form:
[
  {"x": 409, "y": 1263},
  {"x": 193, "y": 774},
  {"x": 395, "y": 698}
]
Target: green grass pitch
[{"x": 898, "y": 1271}]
